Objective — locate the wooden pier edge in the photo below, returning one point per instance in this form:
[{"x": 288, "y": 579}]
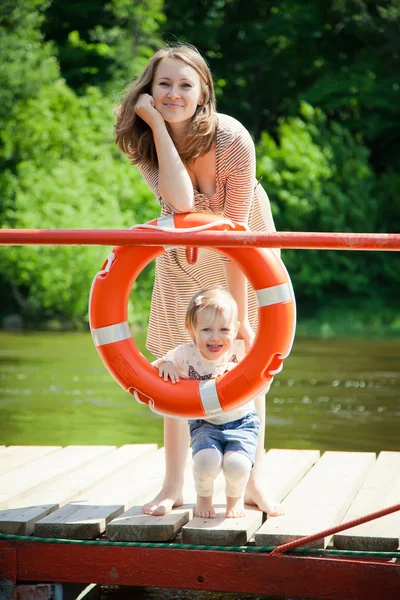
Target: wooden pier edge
[
  {"x": 86, "y": 480},
  {"x": 225, "y": 571}
]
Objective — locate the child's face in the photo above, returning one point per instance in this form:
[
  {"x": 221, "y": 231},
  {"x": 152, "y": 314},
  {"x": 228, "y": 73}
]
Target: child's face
[{"x": 213, "y": 333}]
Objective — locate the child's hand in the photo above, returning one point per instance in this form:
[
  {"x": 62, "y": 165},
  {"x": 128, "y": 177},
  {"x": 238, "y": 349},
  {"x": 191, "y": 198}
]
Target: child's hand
[{"x": 169, "y": 371}]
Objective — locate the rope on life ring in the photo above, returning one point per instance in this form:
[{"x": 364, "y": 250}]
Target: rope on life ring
[{"x": 108, "y": 317}]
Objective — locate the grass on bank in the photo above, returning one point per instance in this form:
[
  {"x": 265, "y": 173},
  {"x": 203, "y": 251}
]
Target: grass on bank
[{"x": 327, "y": 323}]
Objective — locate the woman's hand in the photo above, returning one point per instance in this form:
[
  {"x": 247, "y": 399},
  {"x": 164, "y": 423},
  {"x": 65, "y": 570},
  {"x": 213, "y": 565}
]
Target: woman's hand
[
  {"x": 246, "y": 333},
  {"x": 169, "y": 371},
  {"x": 144, "y": 108}
]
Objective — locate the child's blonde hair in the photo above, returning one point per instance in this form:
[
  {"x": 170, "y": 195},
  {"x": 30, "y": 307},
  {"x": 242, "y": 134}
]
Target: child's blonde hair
[{"x": 216, "y": 298}]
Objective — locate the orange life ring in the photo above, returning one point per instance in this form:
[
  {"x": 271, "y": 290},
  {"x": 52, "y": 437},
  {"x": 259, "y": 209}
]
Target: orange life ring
[{"x": 108, "y": 315}]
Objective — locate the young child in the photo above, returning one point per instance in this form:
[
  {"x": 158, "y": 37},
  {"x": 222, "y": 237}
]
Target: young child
[{"x": 228, "y": 441}]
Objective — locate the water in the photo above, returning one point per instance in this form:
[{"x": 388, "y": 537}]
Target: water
[{"x": 331, "y": 395}]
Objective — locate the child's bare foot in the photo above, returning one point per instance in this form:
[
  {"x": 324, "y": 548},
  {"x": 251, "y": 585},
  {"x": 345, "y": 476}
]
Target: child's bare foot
[
  {"x": 256, "y": 496},
  {"x": 164, "y": 502},
  {"x": 204, "y": 507},
  {"x": 235, "y": 508}
]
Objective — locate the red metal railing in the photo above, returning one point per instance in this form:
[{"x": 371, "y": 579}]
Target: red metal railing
[
  {"x": 118, "y": 237},
  {"x": 308, "y": 539}
]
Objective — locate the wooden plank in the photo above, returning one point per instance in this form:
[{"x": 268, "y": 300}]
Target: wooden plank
[
  {"x": 20, "y": 482},
  {"x": 80, "y": 481},
  {"x": 380, "y": 490},
  {"x": 281, "y": 470},
  {"x": 222, "y": 531},
  {"x": 22, "y": 516},
  {"x": 86, "y": 518},
  {"x": 15, "y": 456},
  {"x": 134, "y": 526},
  {"x": 320, "y": 500}
]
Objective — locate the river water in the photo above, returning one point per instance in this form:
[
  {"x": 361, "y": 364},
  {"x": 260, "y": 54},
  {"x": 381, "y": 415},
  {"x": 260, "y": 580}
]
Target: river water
[{"x": 331, "y": 395}]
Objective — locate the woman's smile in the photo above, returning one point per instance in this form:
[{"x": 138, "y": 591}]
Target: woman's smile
[{"x": 172, "y": 105}]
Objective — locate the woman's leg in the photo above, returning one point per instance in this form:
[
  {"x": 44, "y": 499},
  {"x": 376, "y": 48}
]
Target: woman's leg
[
  {"x": 255, "y": 493},
  {"x": 236, "y": 467},
  {"x": 176, "y": 442},
  {"x": 207, "y": 465}
]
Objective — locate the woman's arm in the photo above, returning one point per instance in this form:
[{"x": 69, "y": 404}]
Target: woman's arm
[
  {"x": 240, "y": 165},
  {"x": 174, "y": 184},
  {"x": 237, "y": 285}
]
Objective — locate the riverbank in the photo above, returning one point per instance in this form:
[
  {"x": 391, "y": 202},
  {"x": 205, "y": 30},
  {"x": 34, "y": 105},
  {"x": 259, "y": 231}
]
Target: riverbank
[
  {"x": 337, "y": 319},
  {"x": 327, "y": 324}
]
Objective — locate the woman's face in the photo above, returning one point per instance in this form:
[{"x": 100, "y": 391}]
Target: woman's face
[{"x": 176, "y": 90}]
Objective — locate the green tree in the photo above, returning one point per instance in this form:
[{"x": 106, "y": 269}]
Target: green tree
[
  {"x": 343, "y": 57},
  {"x": 26, "y": 63},
  {"x": 103, "y": 42},
  {"x": 68, "y": 175},
  {"x": 358, "y": 82},
  {"x": 319, "y": 179},
  {"x": 60, "y": 169}
]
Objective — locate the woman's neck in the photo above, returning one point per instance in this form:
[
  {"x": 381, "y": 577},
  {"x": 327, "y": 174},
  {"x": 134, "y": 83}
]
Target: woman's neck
[{"x": 178, "y": 132}]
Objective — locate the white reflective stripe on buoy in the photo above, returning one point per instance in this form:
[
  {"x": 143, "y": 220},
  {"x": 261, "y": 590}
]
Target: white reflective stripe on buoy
[
  {"x": 273, "y": 295},
  {"x": 111, "y": 334},
  {"x": 209, "y": 397},
  {"x": 166, "y": 221}
]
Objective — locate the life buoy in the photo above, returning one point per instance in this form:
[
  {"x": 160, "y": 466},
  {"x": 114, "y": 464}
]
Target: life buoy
[{"x": 108, "y": 315}]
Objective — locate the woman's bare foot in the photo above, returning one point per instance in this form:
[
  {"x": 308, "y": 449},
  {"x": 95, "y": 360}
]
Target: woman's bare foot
[
  {"x": 164, "y": 502},
  {"x": 256, "y": 496},
  {"x": 235, "y": 508},
  {"x": 204, "y": 507}
]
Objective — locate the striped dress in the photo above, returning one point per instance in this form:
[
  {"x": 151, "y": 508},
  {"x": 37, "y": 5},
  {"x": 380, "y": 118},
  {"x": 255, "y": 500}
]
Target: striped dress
[{"x": 237, "y": 197}]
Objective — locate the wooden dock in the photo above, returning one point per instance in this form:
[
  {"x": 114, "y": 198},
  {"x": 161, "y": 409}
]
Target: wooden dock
[
  {"x": 84, "y": 492},
  {"x": 96, "y": 493}
]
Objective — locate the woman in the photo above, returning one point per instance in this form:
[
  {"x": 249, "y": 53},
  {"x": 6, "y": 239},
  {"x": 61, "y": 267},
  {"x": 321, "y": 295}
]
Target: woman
[{"x": 194, "y": 160}]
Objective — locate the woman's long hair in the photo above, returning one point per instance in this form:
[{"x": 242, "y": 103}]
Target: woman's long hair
[{"x": 134, "y": 136}]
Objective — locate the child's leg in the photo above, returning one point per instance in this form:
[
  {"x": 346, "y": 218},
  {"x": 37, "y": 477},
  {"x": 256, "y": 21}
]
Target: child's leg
[
  {"x": 207, "y": 465},
  {"x": 255, "y": 493},
  {"x": 176, "y": 441},
  {"x": 236, "y": 467}
]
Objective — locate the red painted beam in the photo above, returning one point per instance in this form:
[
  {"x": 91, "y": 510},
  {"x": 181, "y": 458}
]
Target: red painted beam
[
  {"x": 302, "y": 240},
  {"x": 8, "y": 565},
  {"x": 297, "y": 576}
]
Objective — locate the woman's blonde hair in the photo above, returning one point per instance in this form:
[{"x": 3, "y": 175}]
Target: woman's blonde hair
[
  {"x": 134, "y": 136},
  {"x": 218, "y": 299}
]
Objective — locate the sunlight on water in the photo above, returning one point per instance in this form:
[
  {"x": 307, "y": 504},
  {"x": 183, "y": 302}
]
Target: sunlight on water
[{"x": 331, "y": 395}]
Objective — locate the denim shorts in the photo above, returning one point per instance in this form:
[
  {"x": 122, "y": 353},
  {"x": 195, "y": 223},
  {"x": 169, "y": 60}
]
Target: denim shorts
[{"x": 236, "y": 436}]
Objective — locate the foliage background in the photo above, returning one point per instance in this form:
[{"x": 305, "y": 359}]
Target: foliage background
[{"x": 316, "y": 83}]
